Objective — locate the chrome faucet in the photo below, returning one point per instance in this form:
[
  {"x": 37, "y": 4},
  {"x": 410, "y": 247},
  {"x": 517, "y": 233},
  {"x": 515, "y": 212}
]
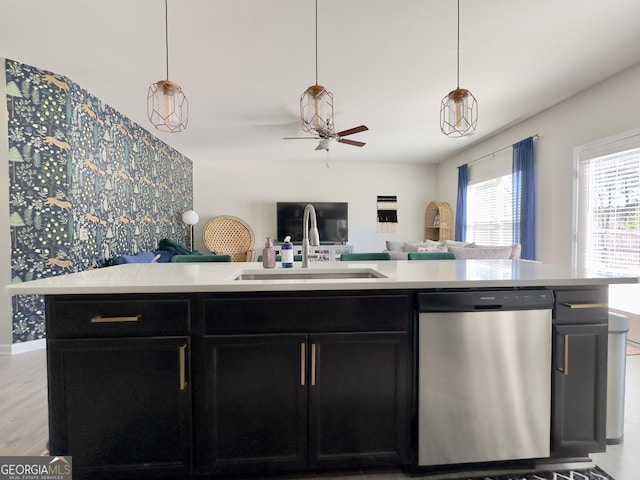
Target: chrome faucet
[{"x": 309, "y": 236}]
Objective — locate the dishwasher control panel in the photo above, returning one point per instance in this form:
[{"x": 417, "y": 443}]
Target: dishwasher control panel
[{"x": 473, "y": 300}]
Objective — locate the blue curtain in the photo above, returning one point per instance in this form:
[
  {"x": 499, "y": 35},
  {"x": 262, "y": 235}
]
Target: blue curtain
[
  {"x": 524, "y": 198},
  {"x": 461, "y": 203}
]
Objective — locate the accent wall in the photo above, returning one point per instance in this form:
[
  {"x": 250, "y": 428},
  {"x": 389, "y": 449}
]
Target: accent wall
[{"x": 86, "y": 184}]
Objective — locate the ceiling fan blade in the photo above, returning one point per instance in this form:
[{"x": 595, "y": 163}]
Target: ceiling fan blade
[
  {"x": 351, "y": 131},
  {"x": 301, "y": 138},
  {"x": 351, "y": 142}
]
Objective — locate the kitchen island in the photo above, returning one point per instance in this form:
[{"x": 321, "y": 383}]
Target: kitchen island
[{"x": 197, "y": 370}]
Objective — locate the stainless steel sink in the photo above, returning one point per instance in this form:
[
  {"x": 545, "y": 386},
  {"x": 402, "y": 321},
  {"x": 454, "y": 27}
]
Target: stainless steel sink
[{"x": 309, "y": 274}]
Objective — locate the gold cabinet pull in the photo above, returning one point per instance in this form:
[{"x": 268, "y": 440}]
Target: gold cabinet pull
[
  {"x": 303, "y": 363},
  {"x": 182, "y": 366},
  {"x": 313, "y": 364},
  {"x": 100, "y": 319},
  {"x": 575, "y": 306}
]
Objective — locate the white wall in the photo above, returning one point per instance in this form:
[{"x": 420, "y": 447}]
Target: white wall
[
  {"x": 608, "y": 108},
  {"x": 250, "y": 190}
]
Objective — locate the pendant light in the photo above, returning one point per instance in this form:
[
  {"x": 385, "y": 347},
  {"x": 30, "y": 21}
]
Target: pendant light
[
  {"x": 316, "y": 103},
  {"x": 167, "y": 106},
  {"x": 459, "y": 109}
]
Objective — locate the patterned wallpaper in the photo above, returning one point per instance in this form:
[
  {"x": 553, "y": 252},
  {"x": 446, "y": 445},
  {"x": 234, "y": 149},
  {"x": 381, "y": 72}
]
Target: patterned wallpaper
[{"x": 86, "y": 184}]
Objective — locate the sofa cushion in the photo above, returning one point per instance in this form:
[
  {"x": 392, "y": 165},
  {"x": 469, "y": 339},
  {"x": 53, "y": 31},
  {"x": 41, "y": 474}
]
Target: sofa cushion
[
  {"x": 416, "y": 246},
  {"x": 394, "y": 246},
  {"x": 395, "y": 255},
  {"x": 516, "y": 249},
  {"x": 456, "y": 243},
  {"x": 481, "y": 252}
]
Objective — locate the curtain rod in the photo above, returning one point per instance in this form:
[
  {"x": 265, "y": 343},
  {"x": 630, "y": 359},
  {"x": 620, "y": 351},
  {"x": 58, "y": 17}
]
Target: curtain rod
[{"x": 535, "y": 137}]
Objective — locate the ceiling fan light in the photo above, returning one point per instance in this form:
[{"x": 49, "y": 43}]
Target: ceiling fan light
[
  {"x": 316, "y": 109},
  {"x": 458, "y": 113},
  {"x": 328, "y": 143},
  {"x": 167, "y": 106}
]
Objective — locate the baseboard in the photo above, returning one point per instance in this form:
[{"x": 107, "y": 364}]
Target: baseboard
[{"x": 22, "y": 347}]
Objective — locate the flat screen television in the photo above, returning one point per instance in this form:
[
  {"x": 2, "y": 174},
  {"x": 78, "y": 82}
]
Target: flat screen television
[{"x": 333, "y": 223}]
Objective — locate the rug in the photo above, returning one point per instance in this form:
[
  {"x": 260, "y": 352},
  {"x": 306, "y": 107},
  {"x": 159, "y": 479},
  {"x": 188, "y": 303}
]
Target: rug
[{"x": 593, "y": 473}]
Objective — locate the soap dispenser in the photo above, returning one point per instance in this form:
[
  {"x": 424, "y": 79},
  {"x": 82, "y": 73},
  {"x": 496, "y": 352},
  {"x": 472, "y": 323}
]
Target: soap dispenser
[
  {"x": 268, "y": 254},
  {"x": 287, "y": 253}
]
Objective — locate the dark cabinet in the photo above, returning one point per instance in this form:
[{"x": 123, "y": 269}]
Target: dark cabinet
[
  {"x": 255, "y": 403},
  {"x": 309, "y": 399},
  {"x": 119, "y": 404},
  {"x": 358, "y": 399},
  {"x": 579, "y": 377}
]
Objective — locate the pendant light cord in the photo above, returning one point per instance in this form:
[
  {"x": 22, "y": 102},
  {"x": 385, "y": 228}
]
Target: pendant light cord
[
  {"x": 317, "y": 42},
  {"x": 166, "y": 34},
  {"x": 458, "y": 48}
]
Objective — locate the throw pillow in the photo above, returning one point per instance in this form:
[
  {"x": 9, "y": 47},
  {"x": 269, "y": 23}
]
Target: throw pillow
[
  {"x": 434, "y": 248},
  {"x": 414, "y": 246}
]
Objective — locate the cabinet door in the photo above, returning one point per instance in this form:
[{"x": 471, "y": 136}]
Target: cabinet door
[
  {"x": 255, "y": 403},
  {"x": 359, "y": 399},
  {"x": 121, "y": 407},
  {"x": 579, "y": 389}
]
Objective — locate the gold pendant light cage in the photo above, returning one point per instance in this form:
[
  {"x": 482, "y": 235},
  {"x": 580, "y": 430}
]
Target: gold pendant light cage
[
  {"x": 316, "y": 103},
  {"x": 316, "y": 109},
  {"x": 459, "y": 113},
  {"x": 167, "y": 105},
  {"x": 459, "y": 109}
]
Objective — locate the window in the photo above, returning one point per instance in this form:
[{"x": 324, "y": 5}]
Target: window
[
  {"x": 489, "y": 212},
  {"x": 608, "y": 214}
]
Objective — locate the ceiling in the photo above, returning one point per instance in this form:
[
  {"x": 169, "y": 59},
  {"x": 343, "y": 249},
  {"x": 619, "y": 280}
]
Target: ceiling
[{"x": 243, "y": 65}]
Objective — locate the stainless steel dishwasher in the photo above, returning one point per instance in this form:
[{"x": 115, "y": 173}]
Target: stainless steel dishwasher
[{"x": 484, "y": 375}]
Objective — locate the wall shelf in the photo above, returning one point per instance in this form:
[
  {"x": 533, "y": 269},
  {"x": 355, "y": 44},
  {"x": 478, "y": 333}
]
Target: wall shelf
[{"x": 438, "y": 222}]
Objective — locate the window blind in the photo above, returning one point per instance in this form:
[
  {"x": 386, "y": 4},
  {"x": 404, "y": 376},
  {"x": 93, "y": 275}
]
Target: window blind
[
  {"x": 489, "y": 212},
  {"x": 608, "y": 214}
]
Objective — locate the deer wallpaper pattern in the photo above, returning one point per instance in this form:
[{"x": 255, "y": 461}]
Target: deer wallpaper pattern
[{"x": 76, "y": 166}]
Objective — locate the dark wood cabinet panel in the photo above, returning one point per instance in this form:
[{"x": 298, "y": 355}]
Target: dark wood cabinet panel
[
  {"x": 255, "y": 404},
  {"x": 109, "y": 316},
  {"x": 318, "y": 312},
  {"x": 579, "y": 390},
  {"x": 581, "y": 305},
  {"x": 121, "y": 407},
  {"x": 359, "y": 399}
]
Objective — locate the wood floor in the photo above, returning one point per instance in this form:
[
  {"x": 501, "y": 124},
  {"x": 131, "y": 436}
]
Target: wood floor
[{"x": 23, "y": 417}]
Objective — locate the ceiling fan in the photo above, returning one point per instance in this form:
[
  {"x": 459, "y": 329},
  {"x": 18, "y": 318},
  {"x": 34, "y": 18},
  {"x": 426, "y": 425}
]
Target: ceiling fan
[{"x": 329, "y": 139}]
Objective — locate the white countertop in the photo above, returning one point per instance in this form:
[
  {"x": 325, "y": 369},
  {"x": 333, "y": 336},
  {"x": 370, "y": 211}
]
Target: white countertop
[{"x": 400, "y": 274}]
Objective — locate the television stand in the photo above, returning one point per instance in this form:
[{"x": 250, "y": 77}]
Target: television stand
[{"x": 325, "y": 253}]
